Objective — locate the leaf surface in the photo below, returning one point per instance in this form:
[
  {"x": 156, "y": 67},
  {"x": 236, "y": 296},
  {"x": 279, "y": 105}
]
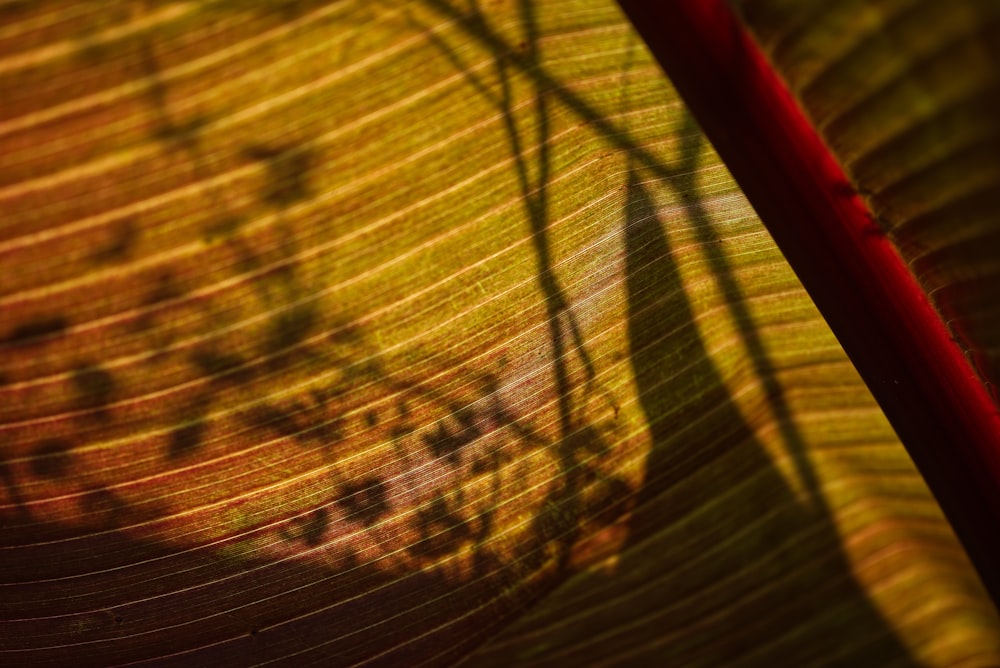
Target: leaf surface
[{"x": 363, "y": 333}]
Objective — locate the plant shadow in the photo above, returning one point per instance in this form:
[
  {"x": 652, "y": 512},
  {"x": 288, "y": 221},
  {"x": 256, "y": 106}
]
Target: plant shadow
[{"x": 711, "y": 538}]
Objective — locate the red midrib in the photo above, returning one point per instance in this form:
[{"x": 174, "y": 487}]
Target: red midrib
[{"x": 879, "y": 313}]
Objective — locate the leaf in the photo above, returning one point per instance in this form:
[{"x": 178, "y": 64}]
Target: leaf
[{"x": 439, "y": 332}]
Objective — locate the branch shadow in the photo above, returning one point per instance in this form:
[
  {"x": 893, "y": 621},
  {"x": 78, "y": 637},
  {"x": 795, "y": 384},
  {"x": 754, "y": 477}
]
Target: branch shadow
[
  {"x": 238, "y": 606},
  {"x": 679, "y": 177},
  {"x": 657, "y": 303},
  {"x": 719, "y": 554},
  {"x": 562, "y": 524}
]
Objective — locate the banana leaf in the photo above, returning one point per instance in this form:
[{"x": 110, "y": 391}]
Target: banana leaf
[{"x": 380, "y": 333}]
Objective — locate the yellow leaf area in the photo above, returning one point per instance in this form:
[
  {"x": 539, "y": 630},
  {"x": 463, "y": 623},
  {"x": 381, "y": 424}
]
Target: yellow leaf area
[{"x": 364, "y": 329}]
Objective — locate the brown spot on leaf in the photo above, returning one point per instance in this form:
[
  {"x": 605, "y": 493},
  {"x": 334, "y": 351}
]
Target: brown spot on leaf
[
  {"x": 268, "y": 416},
  {"x": 312, "y": 532},
  {"x": 52, "y": 458},
  {"x": 94, "y": 387},
  {"x": 309, "y": 529},
  {"x": 289, "y": 328},
  {"x": 185, "y": 135},
  {"x": 448, "y": 442},
  {"x": 186, "y": 439},
  {"x": 222, "y": 367},
  {"x": 123, "y": 240},
  {"x": 41, "y": 328},
  {"x": 287, "y": 173},
  {"x": 441, "y": 530},
  {"x": 102, "y": 507},
  {"x": 365, "y": 501}
]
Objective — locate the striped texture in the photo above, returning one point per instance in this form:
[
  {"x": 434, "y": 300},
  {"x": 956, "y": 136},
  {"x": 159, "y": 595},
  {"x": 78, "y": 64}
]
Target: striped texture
[
  {"x": 364, "y": 333},
  {"x": 907, "y": 95}
]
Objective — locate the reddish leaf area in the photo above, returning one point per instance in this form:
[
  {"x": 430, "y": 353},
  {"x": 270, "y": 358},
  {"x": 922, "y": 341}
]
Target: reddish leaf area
[{"x": 881, "y": 316}]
